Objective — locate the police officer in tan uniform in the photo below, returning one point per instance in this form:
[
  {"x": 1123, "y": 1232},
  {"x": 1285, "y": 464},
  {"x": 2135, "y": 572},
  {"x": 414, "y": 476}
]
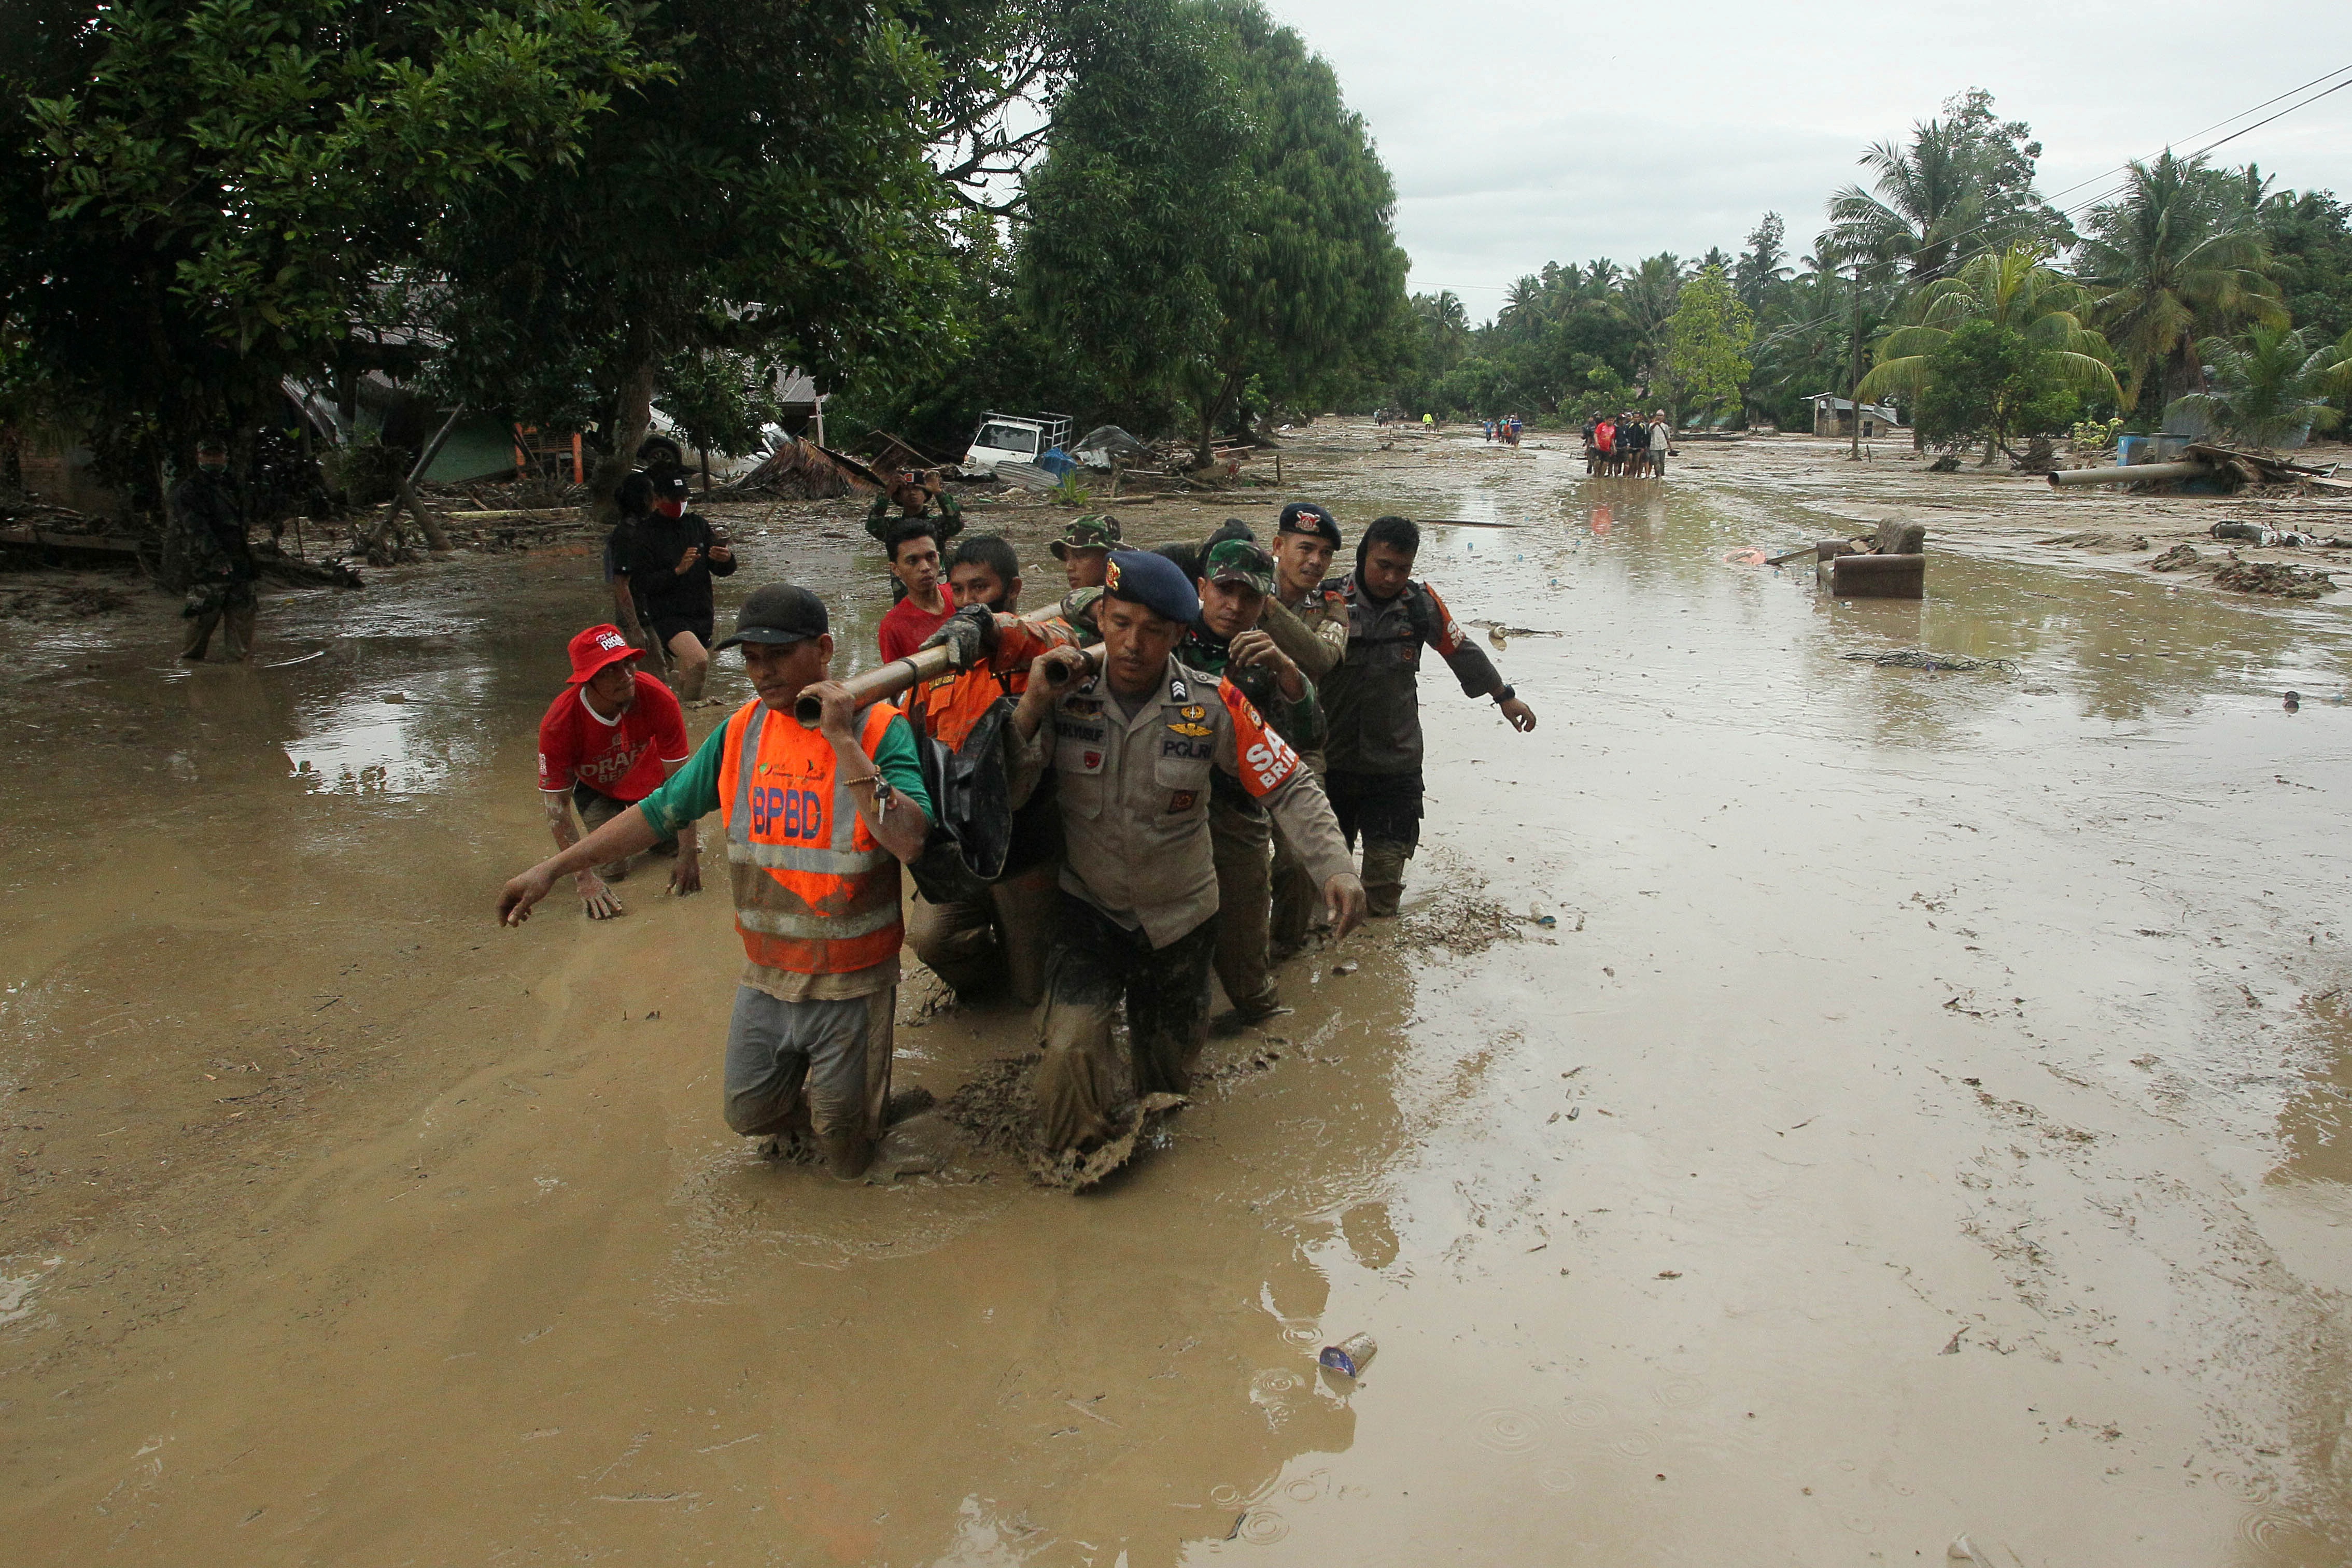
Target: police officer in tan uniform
[{"x": 1132, "y": 750}]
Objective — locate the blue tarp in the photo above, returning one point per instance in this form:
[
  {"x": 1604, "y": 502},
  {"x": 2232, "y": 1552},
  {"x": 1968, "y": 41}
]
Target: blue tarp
[{"x": 1056, "y": 462}]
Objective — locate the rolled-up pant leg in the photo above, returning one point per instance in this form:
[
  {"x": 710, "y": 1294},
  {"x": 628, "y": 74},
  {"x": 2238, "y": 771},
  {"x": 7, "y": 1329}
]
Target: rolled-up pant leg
[
  {"x": 1241, "y": 844},
  {"x": 822, "y": 1065}
]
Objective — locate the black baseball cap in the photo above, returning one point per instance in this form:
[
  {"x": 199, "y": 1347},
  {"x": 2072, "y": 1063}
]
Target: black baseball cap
[
  {"x": 778, "y": 614},
  {"x": 670, "y": 484},
  {"x": 1307, "y": 518}
]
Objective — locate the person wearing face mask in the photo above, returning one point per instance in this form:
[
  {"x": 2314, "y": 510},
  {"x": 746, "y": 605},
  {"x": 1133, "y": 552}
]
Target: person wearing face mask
[
  {"x": 208, "y": 511},
  {"x": 677, "y": 554}
]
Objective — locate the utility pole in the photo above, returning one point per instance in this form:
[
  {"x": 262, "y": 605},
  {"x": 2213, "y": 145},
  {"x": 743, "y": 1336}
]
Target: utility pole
[{"x": 1854, "y": 378}]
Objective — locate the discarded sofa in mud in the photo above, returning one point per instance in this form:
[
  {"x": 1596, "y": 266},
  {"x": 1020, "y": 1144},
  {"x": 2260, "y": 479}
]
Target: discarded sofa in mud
[{"x": 1892, "y": 566}]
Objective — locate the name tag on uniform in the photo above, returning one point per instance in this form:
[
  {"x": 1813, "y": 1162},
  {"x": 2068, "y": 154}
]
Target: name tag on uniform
[{"x": 1069, "y": 729}]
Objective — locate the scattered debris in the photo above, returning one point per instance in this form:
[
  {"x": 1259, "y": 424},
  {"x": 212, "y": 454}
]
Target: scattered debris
[
  {"x": 2275, "y": 578},
  {"x": 1921, "y": 659},
  {"x": 2179, "y": 557},
  {"x": 61, "y": 601},
  {"x": 1350, "y": 1356}
]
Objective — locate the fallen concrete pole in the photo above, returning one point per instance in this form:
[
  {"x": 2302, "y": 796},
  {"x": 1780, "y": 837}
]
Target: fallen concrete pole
[{"x": 2060, "y": 479}]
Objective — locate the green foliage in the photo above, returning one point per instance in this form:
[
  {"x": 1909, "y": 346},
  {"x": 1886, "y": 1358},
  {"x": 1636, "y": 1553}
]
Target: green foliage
[
  {"x": 2015, "y": 289},
  {"x": 2268, "y": 387},
  {"x": 1068, "y": 491},
  {"x": 1991, "y": 382},
  {"x": 1209, "y": 211},
  {"x": 223, "y": 185},
  {"x": 1706, "y": 342},
  {"x": 2309, "y": 238},
  {"x": 719, "y": 398},
  {"x": 2095, "y": 434},
  {"x": 1963, "y": 184},
  {"x": 768, "y": 194},
  {"x": 2177, "y": 257}
]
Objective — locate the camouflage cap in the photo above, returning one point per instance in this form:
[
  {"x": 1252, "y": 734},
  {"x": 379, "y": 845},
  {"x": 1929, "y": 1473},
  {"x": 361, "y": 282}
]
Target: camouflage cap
[
  {"x": 1240, "y": 560},
  {"x": 1095, "y": 530}
]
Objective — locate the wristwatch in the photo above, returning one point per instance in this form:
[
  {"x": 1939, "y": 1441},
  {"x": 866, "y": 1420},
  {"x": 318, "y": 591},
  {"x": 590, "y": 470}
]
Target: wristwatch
[{"x": 1504, "y": 693}]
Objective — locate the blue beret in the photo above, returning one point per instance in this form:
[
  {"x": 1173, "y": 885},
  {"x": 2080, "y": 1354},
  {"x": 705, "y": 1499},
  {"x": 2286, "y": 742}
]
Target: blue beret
[{"x": 1153, "y": 581}]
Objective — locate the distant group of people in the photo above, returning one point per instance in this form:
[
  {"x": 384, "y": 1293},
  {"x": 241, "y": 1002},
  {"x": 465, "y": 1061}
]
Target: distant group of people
[
  {"x": 1628, "y": 446},
  {"x": 1193, "y": 741},
  {"x": 1505, "y": 430}
]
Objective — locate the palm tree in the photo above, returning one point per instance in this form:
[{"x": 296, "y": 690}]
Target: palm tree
[
  {"x": 1929, "y": 195},
  {"x": 2272, "y": 386},
  {"x": 2178, "y": 259},
  {"x": 1522, "y": 311},
  {"x": 2016, "y": 289}
]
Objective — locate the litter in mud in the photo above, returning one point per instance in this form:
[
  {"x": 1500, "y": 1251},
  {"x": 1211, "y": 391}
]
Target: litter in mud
[
  {"x": 996, "y": 1107},
  {"x": 2179, "y": 557},
  {"x": 2275, "y": 578},
  {"x": 1921, "y": 659},
  {"x": 61, "y": 601},
  {"x": 1350, "y": 1356}
]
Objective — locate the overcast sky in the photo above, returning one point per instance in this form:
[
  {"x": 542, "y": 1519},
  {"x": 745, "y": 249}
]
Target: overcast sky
[{"x": 1523, "y": 134}]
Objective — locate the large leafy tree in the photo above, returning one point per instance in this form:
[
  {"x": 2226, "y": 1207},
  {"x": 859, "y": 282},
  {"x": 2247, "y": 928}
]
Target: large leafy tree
[
  {"x": 223, "y": 187},
  {"x": 770, "y": 193},
  {"x": 2016, "y": 291},
  {"x": 2177, "y": 257},
  {"x": 1988, "y": 382},
  {"x": 1707, "y": 339},
  {"x": 1763, "y": 267},
  {"x": 2309, "y": 238},
  {"x": 2269, "y": 387}
]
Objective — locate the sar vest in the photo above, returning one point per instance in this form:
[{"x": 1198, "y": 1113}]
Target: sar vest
[{"x": 814, "y": 891}]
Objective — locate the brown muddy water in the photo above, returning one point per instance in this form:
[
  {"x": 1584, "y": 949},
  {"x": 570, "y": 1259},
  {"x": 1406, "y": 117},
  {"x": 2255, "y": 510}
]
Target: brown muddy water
[{"x": 1808, "y": 1110}]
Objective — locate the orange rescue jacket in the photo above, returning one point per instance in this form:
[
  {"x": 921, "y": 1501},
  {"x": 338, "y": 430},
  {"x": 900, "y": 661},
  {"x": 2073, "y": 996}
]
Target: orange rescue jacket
[{"x": 816, "y": 893}]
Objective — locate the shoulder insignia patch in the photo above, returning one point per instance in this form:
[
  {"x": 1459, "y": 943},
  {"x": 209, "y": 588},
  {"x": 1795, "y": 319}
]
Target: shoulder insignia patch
[{"x": 1195, "y": 712}]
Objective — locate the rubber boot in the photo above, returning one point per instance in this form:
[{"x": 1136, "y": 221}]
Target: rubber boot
[{"x": 1384, "y": 874}]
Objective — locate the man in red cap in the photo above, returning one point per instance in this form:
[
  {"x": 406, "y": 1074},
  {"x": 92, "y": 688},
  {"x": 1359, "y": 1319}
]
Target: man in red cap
[{"x": 609, "y": 739}]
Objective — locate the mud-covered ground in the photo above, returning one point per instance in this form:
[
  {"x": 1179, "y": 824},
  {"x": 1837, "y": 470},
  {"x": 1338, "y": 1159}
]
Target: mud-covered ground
[{"x": 1808, "y": 1111}]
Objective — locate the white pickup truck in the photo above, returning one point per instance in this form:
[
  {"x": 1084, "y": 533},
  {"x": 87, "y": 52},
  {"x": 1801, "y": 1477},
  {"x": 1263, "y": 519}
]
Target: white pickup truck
[{"x": 1013, "y": 438}]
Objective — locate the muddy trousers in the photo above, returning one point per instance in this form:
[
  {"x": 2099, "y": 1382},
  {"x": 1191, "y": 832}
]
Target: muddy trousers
[
  {"x": 596, "y": 809},
  {"x": 816, "y": 1069},
  {"x": 974, "y": 944},
  {"x": 1097, "y": 964},
  {"x": 214, "y": 607},
  {"x": 1297, "y": 896},
  {"x": 1385, "y": 808},
  {"x": 1241, "y": 843}
]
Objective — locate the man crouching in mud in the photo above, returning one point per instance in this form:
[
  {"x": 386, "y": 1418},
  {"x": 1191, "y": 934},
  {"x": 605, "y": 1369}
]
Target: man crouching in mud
[
  {"x": 1132, "y": 749},
  {"x": 817, "y": 822}
]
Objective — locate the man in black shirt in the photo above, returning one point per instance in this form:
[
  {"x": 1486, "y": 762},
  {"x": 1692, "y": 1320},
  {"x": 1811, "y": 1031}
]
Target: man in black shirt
[{"x": 677, "y": 553}]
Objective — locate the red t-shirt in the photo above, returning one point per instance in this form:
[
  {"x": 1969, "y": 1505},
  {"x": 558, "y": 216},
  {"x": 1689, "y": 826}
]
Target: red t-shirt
[
  {"x": 623, "y": 757},
  {"x": 903, "y": 629}
]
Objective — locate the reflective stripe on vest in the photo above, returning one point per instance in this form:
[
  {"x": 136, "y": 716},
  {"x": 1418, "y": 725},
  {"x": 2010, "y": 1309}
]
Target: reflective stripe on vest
[{"x": 812, "y": 908}]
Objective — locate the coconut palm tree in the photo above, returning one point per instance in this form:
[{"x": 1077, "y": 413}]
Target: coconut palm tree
[
  {"x": 2272, "y": 386},
  {"x": 1929, "y": 194},
  {"x": 2014, "y": 288},
  {"x": 2177, "y": 259}
]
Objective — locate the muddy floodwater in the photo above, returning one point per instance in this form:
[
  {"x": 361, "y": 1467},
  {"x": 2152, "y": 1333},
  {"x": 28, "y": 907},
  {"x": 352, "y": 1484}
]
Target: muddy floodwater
[{"x": 1807, "y": 1110}]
